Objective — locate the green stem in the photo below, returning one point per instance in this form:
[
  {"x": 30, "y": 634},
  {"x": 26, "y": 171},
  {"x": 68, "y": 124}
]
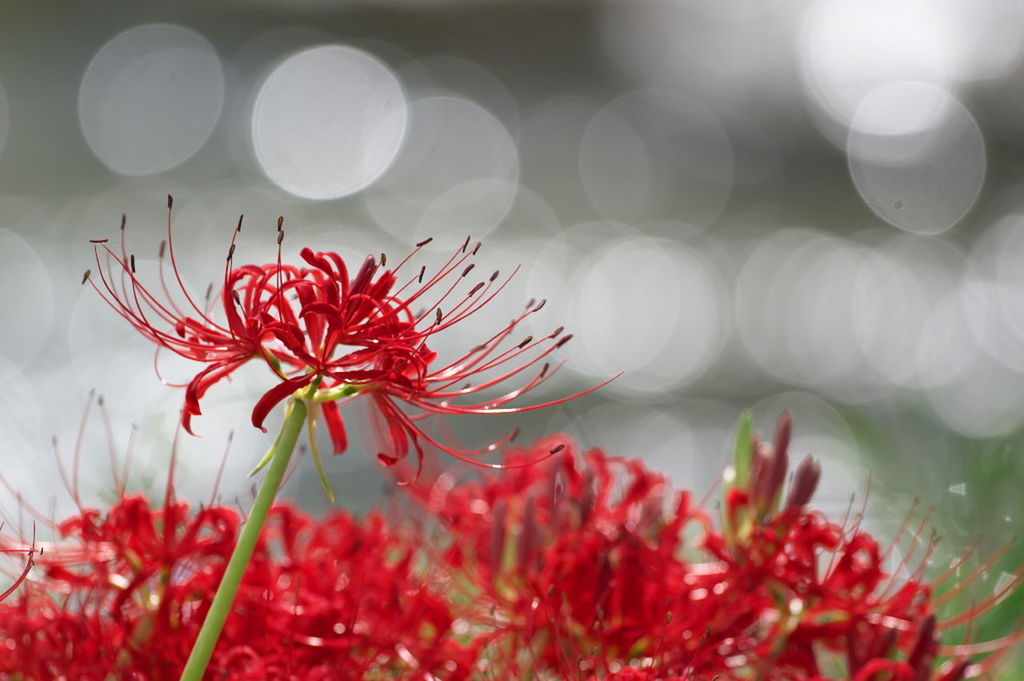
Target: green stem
[{"x": 225, "y": 596}]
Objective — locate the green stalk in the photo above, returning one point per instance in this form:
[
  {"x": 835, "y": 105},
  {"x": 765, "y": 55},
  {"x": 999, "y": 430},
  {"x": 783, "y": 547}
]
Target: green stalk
[{"x": 225, "y": 596}]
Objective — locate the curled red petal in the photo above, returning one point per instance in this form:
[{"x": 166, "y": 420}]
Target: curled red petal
[{"x": 273, "y": 396}]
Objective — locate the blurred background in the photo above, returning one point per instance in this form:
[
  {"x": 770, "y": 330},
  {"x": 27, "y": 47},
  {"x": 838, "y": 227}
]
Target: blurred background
[{"x": 803, "y": 204}]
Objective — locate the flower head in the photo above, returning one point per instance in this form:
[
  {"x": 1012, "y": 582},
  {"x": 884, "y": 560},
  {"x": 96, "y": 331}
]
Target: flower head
[
  {"x": 588, "y": 566},
  {"x": 124, "y": 592},
  {"x": 330, "y": 334}
]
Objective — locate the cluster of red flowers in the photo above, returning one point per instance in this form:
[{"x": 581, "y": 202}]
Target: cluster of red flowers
[
  {"x": 590, "y": 567},
  {"x": 124, "y": 595},
  {"x": 583, "y": 566}
]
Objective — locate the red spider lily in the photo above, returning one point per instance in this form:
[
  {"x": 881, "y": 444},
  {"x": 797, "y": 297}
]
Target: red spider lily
[
  {"x": 123, "y": 596},
  {"x": 586, "y": 572},
  {"x": 330, "y": 335}
]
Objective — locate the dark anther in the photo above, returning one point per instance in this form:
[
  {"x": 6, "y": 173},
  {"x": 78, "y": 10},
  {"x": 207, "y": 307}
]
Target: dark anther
[
  {"x": 423, "y": 270},
  {"x": 468, "y": 269},
  {"x": 280, "y": 222},
  {"x": 209, "y": 290},
  {"x": 556, "y": 449},
  {"x": 540, "y": 305},
  {"x": 424, "y": 242},
  {"x": 557, "y": 332},
  {"x": 476, "y": 288},
  {"x": 124, "y": 219},
  {"x": 231, "y": 252},
  {"x": 239, "y": 227},
  {"x": 131, "y": 261},
  {"x": 544, "y": 369},
  {"x": 383, "y": 259},
  {"x": 438, "y": 316},
  {"x": 465, "y": 245},
  {"x": 170, "y": 201},
  {"x": 495, "y": 275},
  {"x": 163, "y": 247},
  {"x": 526, "y": 341},
  {"x": 98, "y": 241},
  {"x": 564, "y": 340},
  {"x": 476, "y": 249},
  {"x": 85, "y": 277},
  {"x": 280, "y": 237}
]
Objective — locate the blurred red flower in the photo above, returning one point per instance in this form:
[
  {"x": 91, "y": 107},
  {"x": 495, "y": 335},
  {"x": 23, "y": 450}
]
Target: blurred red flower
[
  {"x": 123, "y": 595},
  {"x": 587, "y": 566}
]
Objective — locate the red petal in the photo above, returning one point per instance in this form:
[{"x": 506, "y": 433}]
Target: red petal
[
  {"x": 335, "y": 426},
  {"x": 273, "y": 396}
]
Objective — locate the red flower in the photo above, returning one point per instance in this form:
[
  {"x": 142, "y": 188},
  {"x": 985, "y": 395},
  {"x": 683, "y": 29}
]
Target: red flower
[
  {"x": 330, "y": 335},
  {"x": 585, "y": 570},
  {"x": 125, "y": 592}
]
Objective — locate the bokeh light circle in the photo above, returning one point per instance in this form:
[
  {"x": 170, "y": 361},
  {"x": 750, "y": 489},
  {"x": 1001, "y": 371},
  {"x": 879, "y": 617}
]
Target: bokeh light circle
[
  {"x": 150, "y": 98},
  {"x": 925, "y": 172},
  {"x": 457, "y": 174},
  {"x": 328, "y": 121},
  {"x": 650, "y": 308},
  {"x": 848, "y": 49}
]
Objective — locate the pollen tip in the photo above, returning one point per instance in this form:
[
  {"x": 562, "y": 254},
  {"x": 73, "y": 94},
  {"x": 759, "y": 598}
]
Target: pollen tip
[
  {"x": 556, "y": 449},
  {"x": 170, "y": 201},
  {"x": 563, "y": 341},
  {"x": 438, "y": 317},
  {"x": 540, "y": 305},
  {"x": 163, "y": 247},
  {"x": 423, "y": 270},
  {"x": 544, "y": 369},
  {"x": 469, "y": 268},
  {"x": 557, "y": 332},
  {"x": 280, "y": 222},
  {"x": 131, "y": 262},
  {"x": 476, "y": 249},
  {"x": 86, "y": 275},
  {"x": 472, "y": 291},
  {"x": 383, "y": 259},
  {"x": 423, "y": 243},
  {"x": 238, "y": 228},
  {"x": 124, "y": 219},
  {"x": 526, "y": 341},
  {"x": 465, "y": 245},
  {"x": 98, "y": 241},
  {"x": 231, "y": 252},
  {"x": 495, "y": 275}
]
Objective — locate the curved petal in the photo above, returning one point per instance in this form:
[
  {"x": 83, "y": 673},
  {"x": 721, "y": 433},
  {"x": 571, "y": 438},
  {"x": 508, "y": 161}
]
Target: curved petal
[{"x": 273, "y": 396}]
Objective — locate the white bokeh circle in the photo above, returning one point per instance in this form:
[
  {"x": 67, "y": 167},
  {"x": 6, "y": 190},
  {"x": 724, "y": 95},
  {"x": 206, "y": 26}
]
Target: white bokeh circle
[
  {"x": 457, "y": 174},
  {"x": 150, "y": 98},
  {"x": 923, "y": 181},
  {"x": 848, "y": 49},
  {"x": 328, "y": 121},
  {"x": 651, "y": 308}
]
